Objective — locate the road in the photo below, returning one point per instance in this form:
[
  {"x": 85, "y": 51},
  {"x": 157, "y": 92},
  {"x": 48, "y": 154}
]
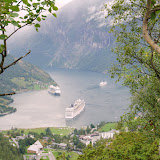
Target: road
[
  {"x": 49, "y": 154},
  {"x": 14, "y": 140}
]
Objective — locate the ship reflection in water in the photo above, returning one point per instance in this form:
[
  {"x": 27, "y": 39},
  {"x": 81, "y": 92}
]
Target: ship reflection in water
[{"x": 75, "y": 109}]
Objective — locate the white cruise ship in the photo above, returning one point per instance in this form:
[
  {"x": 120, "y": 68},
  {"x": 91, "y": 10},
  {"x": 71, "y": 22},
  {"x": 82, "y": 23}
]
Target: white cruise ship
[
  {"x": 75, "y": 109},
  {"x": 55, "y": 90},
  {"x": 103, "y": 83}
]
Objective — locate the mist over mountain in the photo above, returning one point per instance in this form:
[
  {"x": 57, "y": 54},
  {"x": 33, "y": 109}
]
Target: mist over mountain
[{"x": 78, "y": 38}]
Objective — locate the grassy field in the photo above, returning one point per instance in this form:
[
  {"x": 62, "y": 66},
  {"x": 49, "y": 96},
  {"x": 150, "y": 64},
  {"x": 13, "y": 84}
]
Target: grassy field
[
  {"x": 56, "y": 153},
  {"x": 107, "y": 127},
  {"x": 55, "y": 130},
  {"x": 20, "y": 81},
  {"x": 73, "y": 155},
  {"x": 44, "y": 158}
]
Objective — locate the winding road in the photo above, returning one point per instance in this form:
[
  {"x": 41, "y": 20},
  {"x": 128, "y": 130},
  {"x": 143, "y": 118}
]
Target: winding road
[{"x": 49, "y": 154}]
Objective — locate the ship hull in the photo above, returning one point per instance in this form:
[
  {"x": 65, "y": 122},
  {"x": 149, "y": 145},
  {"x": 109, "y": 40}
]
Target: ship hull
[
  {"x": 54, "y": 90},
  {"x": 72, "y": 118},
  {"x": 74, "y": 110},
  {"x": 54, "y": 94}
]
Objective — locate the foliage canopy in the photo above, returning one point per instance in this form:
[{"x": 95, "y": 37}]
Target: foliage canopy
[
  {"x": 125, "y": 146},
  {"x": 136, "y": 25}
]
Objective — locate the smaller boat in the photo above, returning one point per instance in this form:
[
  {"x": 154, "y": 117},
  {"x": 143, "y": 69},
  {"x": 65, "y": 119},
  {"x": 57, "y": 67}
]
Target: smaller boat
[
  {"x": 54, "y": 90},
  {"x": 103, "y": 83}
]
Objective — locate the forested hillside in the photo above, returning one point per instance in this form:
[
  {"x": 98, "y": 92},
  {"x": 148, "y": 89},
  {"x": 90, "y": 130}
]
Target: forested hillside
[{"x": 21, "y": 77}]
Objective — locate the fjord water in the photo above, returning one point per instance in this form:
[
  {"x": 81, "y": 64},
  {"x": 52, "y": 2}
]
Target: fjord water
[{"x": 40, "y": 109}]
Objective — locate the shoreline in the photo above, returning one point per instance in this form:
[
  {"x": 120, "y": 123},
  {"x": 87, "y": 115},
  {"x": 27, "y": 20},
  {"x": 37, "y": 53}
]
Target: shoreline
[
  {"x": 15, "y": 109},
  {"x": 62, "y": 127}
]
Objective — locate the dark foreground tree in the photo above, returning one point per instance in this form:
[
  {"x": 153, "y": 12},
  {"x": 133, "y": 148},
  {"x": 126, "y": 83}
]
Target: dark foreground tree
[
  {"x": 19, "y": 14},
  {"x": 137, "y": 28},
  {"x": 136, "y": 25},
  {"x": 125, "y": 146}
]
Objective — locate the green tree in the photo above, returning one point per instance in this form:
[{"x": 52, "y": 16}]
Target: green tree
[
  {"x": 136, "y": 26},
  {"x": 75, "y": 131},
  {"x": 8, "y": 151},
  {"x": 92, "y": 126},
  {"x": 125, "y": 146},
  {"x": 48, "y": 131},
  {"x": 19, "y": 14},
  {"x": 61, "y": 157},
  {"x": 88, "y": 130}
]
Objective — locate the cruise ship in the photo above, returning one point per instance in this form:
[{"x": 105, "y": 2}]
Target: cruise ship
[
  {"x": 103, "y": 83},
  {"x": 54, "y": 90},
  {"x": 75, "y": 109}
]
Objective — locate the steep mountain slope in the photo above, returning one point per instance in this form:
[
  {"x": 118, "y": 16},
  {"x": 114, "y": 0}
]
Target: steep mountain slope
[
  {"x": 78, "y": 38},
  {"x": 23, "y": 76}
]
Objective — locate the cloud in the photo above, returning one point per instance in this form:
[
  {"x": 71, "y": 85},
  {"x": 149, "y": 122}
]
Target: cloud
[{"x": 61, "y": 3}]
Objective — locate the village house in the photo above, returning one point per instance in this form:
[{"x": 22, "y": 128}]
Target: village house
[
  {"x": 20, "y": 137},
  {"x": 59, "y": 145},
  {"x": 92, "y": 138},
  {"x": 109, "y": 134},
  {"x": 35, "y": 148},
  {"x": 46, "y": 138}
]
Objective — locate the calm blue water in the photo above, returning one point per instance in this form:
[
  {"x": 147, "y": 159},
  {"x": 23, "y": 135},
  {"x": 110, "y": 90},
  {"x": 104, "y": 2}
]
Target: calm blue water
[{"x": 40, "y": 109}]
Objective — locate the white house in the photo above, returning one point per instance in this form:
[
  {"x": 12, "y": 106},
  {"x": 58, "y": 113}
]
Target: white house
[
  {"x": 35, "y": 148},
  {"x": 92, "y": 138},
  {"x": 109, "y": 134}
]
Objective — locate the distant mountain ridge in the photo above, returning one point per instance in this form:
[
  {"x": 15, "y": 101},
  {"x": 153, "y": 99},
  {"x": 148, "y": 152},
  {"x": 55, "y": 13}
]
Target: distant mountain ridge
[{"x": 77, "y": 39}]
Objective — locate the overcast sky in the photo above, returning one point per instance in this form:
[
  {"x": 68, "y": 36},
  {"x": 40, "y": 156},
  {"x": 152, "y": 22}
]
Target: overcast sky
[{"x": 60, "y": 3}]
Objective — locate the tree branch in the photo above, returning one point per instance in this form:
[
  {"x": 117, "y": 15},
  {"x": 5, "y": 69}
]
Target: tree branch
[
  {"x": 23, "y": 26},
  {"x": 13, "y": 63},
  {"x": 7, "y": 94},
  {"x": 146, "y": 36},
  {"x": 155, "y": 9}
]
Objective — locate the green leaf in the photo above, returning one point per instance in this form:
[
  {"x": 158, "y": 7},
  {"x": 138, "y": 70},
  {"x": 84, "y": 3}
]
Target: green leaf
[
  {"x": 15, "y": 23},
  {"x": 3, "y": 30},
  {"x": 14, "y": 8},
  {"x": 25, "y": 2},
  {"x": 54, "y": 8},
  {"x": 158, "y": 11},
  {"x": 44, "y": 16},
  {"x": 2, "y": 37},
  {"x": 153, "y": 2},
  {"x": 54, "y": 15},
  {"x": 26, "y": 16},
  {"x": 39, "y": 19},
  {"x": 9, "y": 1},
  {"x": 50, "y": 9},
  {"x": 14, "y": 14},
  {"x": 1, "y": 48},
  {"x": 153, "y": 15},
  {"x": 5, "y": 23},
  {"x": 37, "y": 25},
  {"x": 43, "y": 3},
  {"x": 35, "y": 5}
]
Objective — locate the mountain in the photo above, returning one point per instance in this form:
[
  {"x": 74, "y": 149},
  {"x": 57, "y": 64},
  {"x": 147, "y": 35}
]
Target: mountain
[
  {"x": 78, "y": 38},
  {"x": 21, "y": 77}
]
